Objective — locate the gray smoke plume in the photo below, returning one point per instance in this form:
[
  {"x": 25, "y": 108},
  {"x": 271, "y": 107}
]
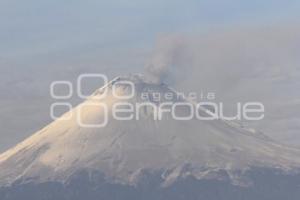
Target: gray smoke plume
[
  {"x": 166, "y": 55},
  {"x": 238, "y": 65}
]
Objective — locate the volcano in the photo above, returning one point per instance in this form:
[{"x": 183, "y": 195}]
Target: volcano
[{"x": 147, "y": 158}]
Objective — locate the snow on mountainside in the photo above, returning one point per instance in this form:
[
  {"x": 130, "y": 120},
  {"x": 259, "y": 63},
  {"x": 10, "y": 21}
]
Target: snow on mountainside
[{"x": 123, "y": 150}]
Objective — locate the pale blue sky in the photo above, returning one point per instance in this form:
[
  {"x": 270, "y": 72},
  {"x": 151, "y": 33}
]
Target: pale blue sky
[{"x": 38, "y": 27}]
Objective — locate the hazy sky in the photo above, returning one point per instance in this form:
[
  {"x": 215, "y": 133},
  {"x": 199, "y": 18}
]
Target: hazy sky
[{"x": 46, "y": 40}]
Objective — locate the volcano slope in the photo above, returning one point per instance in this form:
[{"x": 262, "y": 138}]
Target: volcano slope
[{"x": 146, "y": 158}]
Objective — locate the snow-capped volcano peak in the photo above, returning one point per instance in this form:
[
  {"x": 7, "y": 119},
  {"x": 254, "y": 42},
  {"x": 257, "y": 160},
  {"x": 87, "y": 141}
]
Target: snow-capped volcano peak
[{"x": 123, "y": 149}]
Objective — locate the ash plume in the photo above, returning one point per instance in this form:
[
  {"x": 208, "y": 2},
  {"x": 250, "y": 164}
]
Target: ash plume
[{"x": 165, "y": 58}]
